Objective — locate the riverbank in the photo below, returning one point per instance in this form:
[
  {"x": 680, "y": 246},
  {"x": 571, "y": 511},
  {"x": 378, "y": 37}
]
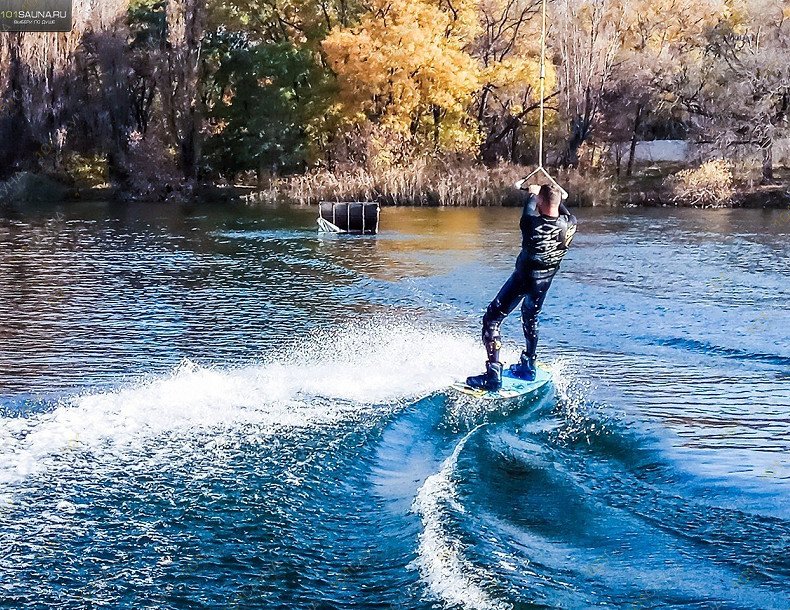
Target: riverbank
[
  {"x": 474, "y": 186},
  {"x": 440, "y": 185}
]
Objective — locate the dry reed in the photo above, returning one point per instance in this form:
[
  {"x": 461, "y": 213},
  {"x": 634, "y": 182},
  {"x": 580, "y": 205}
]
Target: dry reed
[{"x": 425, "y": 184}]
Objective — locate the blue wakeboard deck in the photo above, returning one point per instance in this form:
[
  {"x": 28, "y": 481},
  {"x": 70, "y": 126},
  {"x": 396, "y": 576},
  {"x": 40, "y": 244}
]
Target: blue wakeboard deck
[{"x": 512, "y": 387}]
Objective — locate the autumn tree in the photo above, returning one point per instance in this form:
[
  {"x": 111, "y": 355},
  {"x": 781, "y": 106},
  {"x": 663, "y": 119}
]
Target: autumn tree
[
  {"x": 508, "y": 51},
  {"x": 168, "y": 92},
  {"x": 662, "y": 39},
  {"x": 404, "y": 72},
  {"x": 623, "y": 57}
]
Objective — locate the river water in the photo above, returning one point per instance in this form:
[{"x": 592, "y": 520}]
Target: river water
[{"x": 228, "y": 410}]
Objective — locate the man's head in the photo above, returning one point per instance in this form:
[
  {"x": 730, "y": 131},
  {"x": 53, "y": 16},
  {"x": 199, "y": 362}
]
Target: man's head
[{"x": 549, "y": 198}]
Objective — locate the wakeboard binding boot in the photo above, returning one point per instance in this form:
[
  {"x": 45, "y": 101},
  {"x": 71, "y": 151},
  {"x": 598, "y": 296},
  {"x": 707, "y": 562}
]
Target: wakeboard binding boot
[
  {"x": 490, "y": 381},
  {"x": 526, "y": 368}
]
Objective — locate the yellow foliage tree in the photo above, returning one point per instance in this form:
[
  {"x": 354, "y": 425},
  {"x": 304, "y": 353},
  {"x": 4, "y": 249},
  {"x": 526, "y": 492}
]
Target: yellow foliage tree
[{"x": 404, "y": 70}]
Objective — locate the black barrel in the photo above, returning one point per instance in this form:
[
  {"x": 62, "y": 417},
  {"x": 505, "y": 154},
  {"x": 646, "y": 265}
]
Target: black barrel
[{"x": 359, "y": 217}]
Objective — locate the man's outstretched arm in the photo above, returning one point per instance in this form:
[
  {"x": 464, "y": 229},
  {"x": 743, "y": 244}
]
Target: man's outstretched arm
[{"x": 531, "y": 202}]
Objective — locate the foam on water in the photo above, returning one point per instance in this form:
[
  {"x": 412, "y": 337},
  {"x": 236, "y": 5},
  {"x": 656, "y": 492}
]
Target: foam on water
[
  {"x": 449, "y": 576},
  {"x": 329, "y": 378},
  {"x": 580, "y": 417}
]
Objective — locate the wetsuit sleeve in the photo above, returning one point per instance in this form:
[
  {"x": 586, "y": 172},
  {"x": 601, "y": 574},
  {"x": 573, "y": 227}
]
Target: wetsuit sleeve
[
  {"x": 564, "y": 211},
  {"x": 569, "y": 231},
  {"x": 530, "y": 206}
]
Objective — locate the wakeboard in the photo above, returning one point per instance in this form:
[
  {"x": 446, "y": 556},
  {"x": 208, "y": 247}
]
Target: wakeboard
[{"x": 512, "y": 387}]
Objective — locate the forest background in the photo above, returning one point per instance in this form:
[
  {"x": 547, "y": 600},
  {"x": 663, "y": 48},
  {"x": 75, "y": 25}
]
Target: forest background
[{"x": 401, "y": 101}]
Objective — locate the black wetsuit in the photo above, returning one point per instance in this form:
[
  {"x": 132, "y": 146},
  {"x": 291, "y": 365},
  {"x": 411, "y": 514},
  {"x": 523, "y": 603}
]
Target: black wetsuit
[{"x": 544, "y": 242}]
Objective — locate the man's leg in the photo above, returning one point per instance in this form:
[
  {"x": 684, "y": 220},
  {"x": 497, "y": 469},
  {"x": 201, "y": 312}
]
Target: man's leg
[
  {"x": 538, "y": 287},
  {"x": 504, "y": 303}
]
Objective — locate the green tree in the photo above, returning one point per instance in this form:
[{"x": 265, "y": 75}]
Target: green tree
[{"x": 264, "y": 101}]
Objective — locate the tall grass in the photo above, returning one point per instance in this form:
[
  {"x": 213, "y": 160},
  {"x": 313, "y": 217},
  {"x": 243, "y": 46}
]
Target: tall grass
[{"x": 426, "y": 184}]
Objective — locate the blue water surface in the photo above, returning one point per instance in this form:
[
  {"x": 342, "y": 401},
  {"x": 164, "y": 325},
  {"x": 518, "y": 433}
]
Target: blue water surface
[{"x": 225, "y": 409}]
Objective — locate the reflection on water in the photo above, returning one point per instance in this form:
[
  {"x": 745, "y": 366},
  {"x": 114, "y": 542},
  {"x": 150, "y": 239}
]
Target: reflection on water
[{"x": 232, "y": 401}]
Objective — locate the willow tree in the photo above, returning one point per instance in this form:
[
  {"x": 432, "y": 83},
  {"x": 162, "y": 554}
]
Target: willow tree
[
  {"x": 46, "y": 77},
  {"x": 587, "y": 36},
  {"x": 181, "y": 80}
]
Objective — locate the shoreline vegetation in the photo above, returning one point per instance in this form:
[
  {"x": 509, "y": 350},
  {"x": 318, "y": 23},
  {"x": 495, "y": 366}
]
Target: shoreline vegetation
[
  {"x": 475, "y": 186},
  {"x": 405, "y": 102},
  {"x": 470, "y": 186}
]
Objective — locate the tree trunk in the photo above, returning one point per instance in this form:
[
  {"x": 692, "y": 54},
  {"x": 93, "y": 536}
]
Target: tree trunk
[
  {"x": 265, "y": 174},
  {"x": 632, "y": 151},
  {"x": 768, "y": 163},
  {"x": 437, "y": 119},
  {"x": 117, "y": 171},
  {"x": 578, "y": 135},
  {"x": 186, "y": 21},
  {"x": 19, "y": 148},
  {"x": 514, "y": 144},
  {"x": 190, "y": 148}
]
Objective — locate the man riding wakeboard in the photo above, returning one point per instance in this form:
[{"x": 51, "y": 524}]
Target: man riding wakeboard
[{"x": 547, "y": 228}]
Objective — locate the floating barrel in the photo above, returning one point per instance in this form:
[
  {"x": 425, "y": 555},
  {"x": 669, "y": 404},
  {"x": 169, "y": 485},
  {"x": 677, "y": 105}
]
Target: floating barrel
[{"x": 359, "y": 217}]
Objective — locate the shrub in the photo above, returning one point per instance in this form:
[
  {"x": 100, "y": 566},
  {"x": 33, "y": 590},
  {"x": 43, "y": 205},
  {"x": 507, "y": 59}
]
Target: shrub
[
  {"x": 710, "y": 185},
  {"x": 87, "y": 171},
  {"x": 153, "y": 170},
  {"x": 590, "y": 188}
]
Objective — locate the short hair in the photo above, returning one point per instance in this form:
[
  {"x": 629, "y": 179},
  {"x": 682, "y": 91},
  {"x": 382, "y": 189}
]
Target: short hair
[{"x": 550, "y": 194}]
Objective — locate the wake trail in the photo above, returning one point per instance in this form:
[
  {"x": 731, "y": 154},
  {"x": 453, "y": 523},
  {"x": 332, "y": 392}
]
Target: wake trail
[
  {"x": 448, "y": 574},
  {"x": 350, "y": 374}
]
